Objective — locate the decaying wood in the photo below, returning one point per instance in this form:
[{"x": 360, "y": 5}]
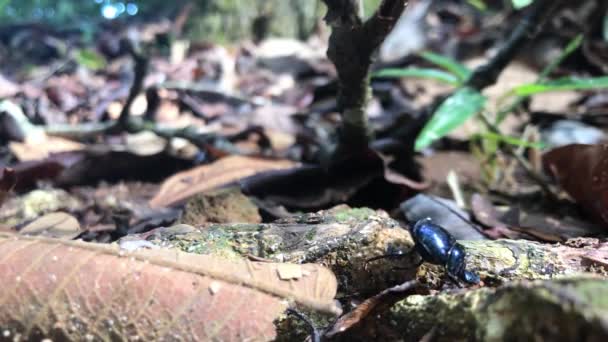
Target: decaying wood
[
  {"x": 344, "y": 239},
  {"x": 341, "y": 238},
  {"x": 500, "y": 261},
  {"x": 573, "y": 309}
]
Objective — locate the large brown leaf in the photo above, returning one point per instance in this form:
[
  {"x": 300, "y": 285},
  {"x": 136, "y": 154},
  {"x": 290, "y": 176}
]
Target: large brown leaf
[
  {"x": 224, "y": 171},
  {"x": 360, "y": 178},
  {"x": 67, "y": 290},
  {"x": 582, "y": 170}
]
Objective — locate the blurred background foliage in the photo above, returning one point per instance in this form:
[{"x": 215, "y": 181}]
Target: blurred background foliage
[{"x": 214, "y": 20}]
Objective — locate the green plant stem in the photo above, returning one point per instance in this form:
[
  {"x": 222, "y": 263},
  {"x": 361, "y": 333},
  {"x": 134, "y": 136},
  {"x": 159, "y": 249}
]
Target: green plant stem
[
  {"x": 535, "y": 176},
  {"x": 570, "y": 48}
]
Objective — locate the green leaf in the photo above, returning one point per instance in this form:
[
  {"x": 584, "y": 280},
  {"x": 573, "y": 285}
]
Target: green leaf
[
  {"x": 510, "y": 140},
  {"x": 570, "y": 48},
  {"x": 90, "y": 59},
  {"x": 461, "y": 71},
  {"x": 3, "y": 4},
  {"x": 453, "y": 112},
  {"x": 479, "y": 4},
  {"x": 518, "y": 4},
  {"x": 434, "y": 74},
  {"x": 566, "y": 83}
]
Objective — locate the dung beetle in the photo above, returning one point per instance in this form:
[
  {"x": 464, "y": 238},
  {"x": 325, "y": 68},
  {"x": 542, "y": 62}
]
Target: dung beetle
[{"x": 437, "y": 246}]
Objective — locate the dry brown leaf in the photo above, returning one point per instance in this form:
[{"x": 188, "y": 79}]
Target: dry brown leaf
[
  {"x": 41, "y": 147},
  {"x": 438, "y": 165},
  {"x": 582, "y": 171},
  {"x": 385, "y": 299},
  {"x": 207, "y": 177},
  {"x": 289, "y": 271},
  {"x": 74, "y": 291},
  {"x": 56, "y": 225}
]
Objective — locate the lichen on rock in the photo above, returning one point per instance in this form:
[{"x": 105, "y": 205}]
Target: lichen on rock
[
  {"x": 341, "y": 238},
  {"x": 567, "y": 309}
]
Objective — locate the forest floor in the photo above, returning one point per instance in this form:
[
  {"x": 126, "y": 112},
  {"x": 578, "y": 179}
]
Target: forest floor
[{"x": 189, "y": 190}]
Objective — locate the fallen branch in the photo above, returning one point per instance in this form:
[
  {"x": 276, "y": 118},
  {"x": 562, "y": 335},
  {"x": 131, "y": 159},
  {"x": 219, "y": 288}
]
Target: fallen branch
[
  {"x": 88, "y": 131},
  {"x": 343, "y": 239}
]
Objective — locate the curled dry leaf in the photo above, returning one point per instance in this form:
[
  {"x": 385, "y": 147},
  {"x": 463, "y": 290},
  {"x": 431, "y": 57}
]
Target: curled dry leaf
[
  {"x": 582, "y": 171},
  {"x": 73, "y": 291},
  {"x": 384, "y": 299},
  {"x": 222, "y": 172},
  {"x": 56, "y": 225}
]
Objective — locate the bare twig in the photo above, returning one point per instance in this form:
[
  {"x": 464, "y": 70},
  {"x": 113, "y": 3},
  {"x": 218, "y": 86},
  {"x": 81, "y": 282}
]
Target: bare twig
[
  {"x": 140, "y": 71},
  {"x": 127, "y": 123},
  {"x": 530, "y": 24}
]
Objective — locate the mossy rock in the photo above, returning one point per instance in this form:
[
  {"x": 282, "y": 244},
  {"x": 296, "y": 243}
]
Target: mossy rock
[{"x": 570, "y": 309}]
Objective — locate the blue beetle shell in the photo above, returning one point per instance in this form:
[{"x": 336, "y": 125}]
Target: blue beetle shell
[
  {"x": 470, "y": 277},
  {"x": 437, "y": 246},
  {"x": 433, "y": 243},
  {"x": 455, "y": 264}
]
